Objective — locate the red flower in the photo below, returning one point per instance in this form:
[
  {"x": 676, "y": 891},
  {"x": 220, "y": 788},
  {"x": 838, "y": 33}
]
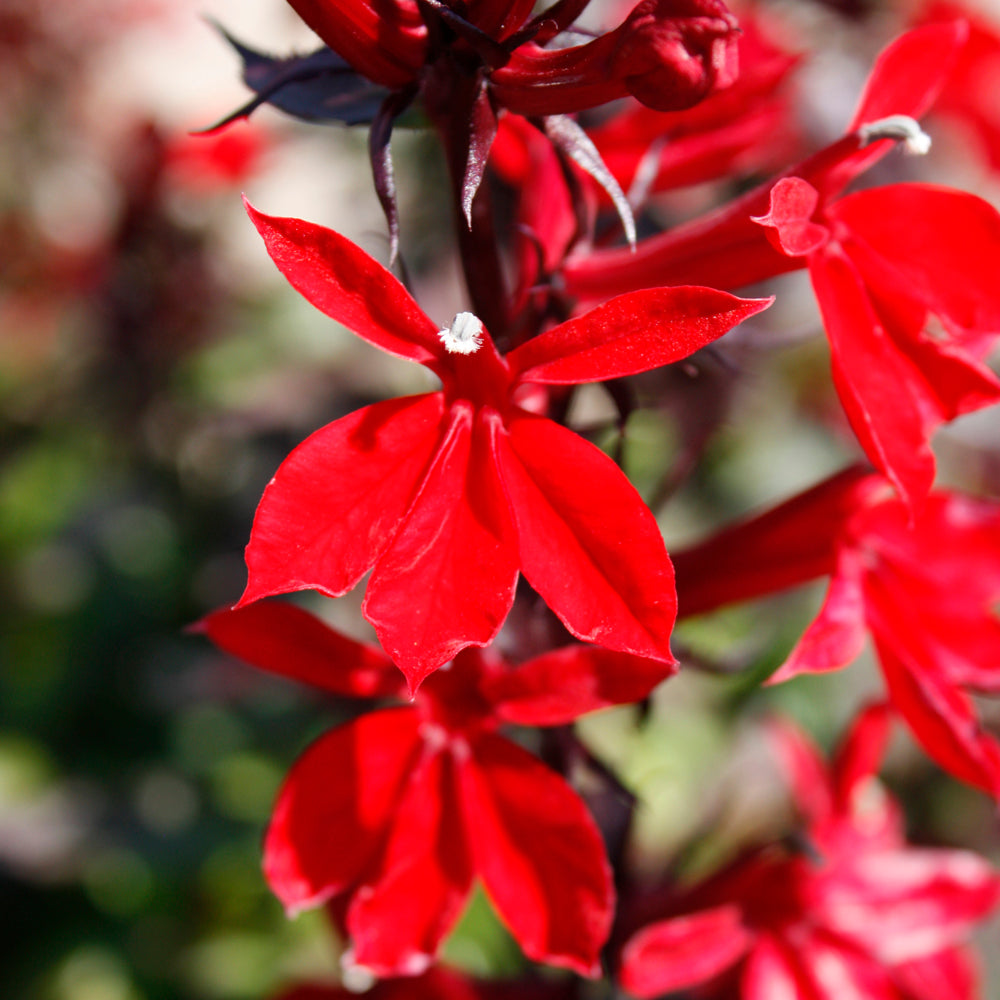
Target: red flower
[
  {"x": 394, "y": 814},
  {"x": 667, "y": 53},
  {"x": 882, "y": 261},
  {"x": 445, "y": 495},
  {"x": 439, "y": 984},
  {"x": 925, "y": 591},
  {"x": 858, "y": 914}
]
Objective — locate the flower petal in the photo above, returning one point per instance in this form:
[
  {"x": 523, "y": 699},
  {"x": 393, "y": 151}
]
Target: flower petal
[
  {"x": 447, "y": 580},
  {"x": 587, "y": 542},
  {"x": 837, "y": 634},
  {"x": 556, "y": 688},
  {"x": 875, "y": 386},
  {"x": 336, "y": 805},
  {"x": 539, "y": 854},
  {"x": 933, "y": 245},
  {"x": 921, "y": 901},
  {"x": 782, "y": 547},
  {"x": 336, "y": 501},
  {"x": 288, "y": 641},
  {"x": 683, "y": 952},
  {"x": 341, "y": 280},
  {"x": 632, "y": 333},
  {"x": 399, "y": 918}
]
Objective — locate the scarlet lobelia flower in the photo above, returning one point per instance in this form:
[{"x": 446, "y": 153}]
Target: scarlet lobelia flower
[
  {"x": 882, "y": 261},
  {"x": 445, "y": 495},
  {"x": 856, "y": 913},
  {"x": 924, "y": 590},
  {"x": 667, "y": 53},
  {"x": 393, "y": 815}
]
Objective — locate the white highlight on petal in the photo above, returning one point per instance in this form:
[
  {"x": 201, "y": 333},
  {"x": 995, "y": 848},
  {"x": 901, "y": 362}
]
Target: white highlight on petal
[
  {"x": 900, "y": 127},
  {"x": 464, "y": 336}
]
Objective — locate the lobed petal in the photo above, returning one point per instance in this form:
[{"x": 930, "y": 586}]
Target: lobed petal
[
  {"x": 539, "y": 854},
  {"x": 587, "y": 543},
  {"x": 447, "y": 580},
  {"x": 335, "y": 503},
  {"x": 336, "y": 807},
  {"x": 875, "y": 385}
]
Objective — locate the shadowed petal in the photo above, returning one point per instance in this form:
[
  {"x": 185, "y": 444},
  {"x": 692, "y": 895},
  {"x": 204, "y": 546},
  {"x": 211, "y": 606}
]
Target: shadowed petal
[
  {"x": 539, "y": 854},
  {"x": 287, "y": 641},
  {"x": 336, "y": 805},
  {"x": 587, "y": 542}
]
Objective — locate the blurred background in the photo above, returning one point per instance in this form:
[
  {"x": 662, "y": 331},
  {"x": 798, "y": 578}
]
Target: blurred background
[{"x": 154, "y": 370}]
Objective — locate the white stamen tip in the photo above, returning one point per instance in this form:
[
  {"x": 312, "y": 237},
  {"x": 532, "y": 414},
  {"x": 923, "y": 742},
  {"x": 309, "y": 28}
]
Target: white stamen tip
[
  {"x": 900, "y": 127},
  {"x": 464, "y": 336}
]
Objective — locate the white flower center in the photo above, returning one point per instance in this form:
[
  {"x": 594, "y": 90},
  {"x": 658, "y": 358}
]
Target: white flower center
[
  {"x": 464, "y": 336},
  {"x": 901, "y": 127}
]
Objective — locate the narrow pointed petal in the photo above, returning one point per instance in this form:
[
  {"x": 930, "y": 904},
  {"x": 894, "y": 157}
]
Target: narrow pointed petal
[
  {"x": 910, "y": 72},
  {"x": 588, "y": 544},
  {"x": 335, "y": 503},
  {"x": 288, "y": 641},
  {"x": 447, "y": 580},
  {"x": 632, "y": 333},
  {"x": 341, "y": 280},
  {"x": 339, "y": 798},
  {"x": 683, "y": 952},
  {"x": 782, "y": 547},
  {"x": 539, "y": 854},
  {"x": 558, "y": 687},
  {"x": 399, "y": 918},
  {"x": 838, "y": 633},
  {"x": 874, "y": 386}
]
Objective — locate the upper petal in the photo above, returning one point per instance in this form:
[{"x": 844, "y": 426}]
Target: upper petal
[
  {"x": 341, "y": 280},
  {"x": 588, "y": 544},
  {"x": 539, "y": 854},
  {"x": 631, "y": 333},
  {"x": 336, "y": 501},
  {"x": 336, "y": 806}
]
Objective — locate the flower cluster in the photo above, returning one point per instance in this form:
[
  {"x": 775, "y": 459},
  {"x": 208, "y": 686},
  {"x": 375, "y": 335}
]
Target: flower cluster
[{"x": 488, "y": 521}]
